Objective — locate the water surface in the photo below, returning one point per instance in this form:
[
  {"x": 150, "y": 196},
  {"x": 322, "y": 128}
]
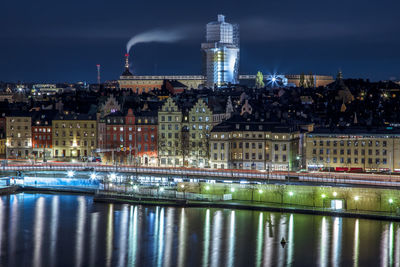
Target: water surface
[{"x": 71, "y": 230}]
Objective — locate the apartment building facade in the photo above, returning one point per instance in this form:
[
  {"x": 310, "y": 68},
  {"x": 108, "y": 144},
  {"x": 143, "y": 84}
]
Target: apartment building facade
[
  {"x": 240, "y": 143},
  {"x": 353, "y": 149},
  {"x": 74, "y": 136}
]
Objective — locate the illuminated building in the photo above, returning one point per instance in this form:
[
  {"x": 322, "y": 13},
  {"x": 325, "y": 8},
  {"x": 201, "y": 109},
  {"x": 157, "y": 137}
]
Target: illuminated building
[
  {"x": 221, "y": 53},
  {"x": 353, "y": 149},
  {"x": 239, "y": 143},
  {"x": 199, "y": 124},
  {"x": 74, "y": 136},
  {"x": 170, "y": 126},
  {"x": 131, "y": 138},
  {"x": 41, "y": 137},
  {"x": 3, "y": 141},
  {"x": 147, "y": 83},
  {"x": 19, "y": 136}
]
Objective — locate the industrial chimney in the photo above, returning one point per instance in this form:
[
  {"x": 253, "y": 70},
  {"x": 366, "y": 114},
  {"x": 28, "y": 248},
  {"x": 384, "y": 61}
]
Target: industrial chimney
[{"x": 126, "y": 71}]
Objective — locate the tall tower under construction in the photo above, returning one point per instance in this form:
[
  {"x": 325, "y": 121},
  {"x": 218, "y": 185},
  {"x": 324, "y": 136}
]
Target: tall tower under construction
[{"x": 221, "y": 53}]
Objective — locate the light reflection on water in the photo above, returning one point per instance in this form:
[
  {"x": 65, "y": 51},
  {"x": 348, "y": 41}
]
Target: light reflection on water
[{"x": 55, "y": 230}]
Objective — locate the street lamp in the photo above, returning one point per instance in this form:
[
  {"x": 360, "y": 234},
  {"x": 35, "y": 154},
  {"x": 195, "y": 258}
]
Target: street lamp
[
  {"x": 93, "y": 176},
  {"x": 356, "y": 198},
  {"x": 290, "y": 193},
  {"x": 390, "y": 203},
  {"x": 260, "y": 191},
  {"x": 70, "y": 174},
  {"x": 113, "y": 176},
  {"x": 207, "y": 187},
  {"x": 232, "y": 189},
  {"x": 323, "y": 196},
  {"x": 334, "y": 194}
]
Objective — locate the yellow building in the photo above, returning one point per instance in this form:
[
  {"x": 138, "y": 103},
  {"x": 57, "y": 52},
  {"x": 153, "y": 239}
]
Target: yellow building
[
  {"x": 171, "y": 146},
  {"x": 3, "y": 141},
  {"x": 248, "y": 144},
  {"x": 19, "y": 137},
  {"x": 353, "y": 149},
  {"x": 74, "y": 136},
  {"x": 145, "y": 84}
]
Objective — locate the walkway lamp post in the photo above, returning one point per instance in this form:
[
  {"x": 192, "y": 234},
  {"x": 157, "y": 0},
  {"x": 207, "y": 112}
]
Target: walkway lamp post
[
  {"x": 323, "y": 196},
  {"x": 356, "y": 198}
]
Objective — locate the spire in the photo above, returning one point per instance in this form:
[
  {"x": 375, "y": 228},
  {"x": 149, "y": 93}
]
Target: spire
[
  {"x": 343, "y": 107},
  {"x": 355, "y": 118},
  {"x": 229, "y": 108},
  {"x": 339, "y": 76},
  {"x": 126, "y": 71}
]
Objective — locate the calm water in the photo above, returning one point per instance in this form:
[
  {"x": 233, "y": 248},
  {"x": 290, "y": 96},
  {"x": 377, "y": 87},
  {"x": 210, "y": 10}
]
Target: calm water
[{"x": 70, "y": 230}]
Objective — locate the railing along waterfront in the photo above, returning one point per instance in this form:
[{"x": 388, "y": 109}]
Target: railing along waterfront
[{"x": 220, "y": 174}]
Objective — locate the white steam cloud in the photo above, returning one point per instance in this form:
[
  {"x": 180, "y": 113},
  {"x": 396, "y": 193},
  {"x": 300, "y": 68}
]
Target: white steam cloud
[{"x": 160, "y": 36}]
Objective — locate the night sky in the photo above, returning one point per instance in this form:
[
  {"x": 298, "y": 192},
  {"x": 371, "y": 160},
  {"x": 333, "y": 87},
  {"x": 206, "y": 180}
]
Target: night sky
[{"x": 56, "y": 41}]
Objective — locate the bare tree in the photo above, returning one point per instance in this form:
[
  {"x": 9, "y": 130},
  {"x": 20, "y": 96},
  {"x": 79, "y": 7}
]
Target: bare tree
[
  {"x": 281, "y": 190},
  {"x": 314, "y": 195},
  {"x": 162, "y": 149},
  {"x": 205, "y": 148},
  {"x": 184, "y": 146}
]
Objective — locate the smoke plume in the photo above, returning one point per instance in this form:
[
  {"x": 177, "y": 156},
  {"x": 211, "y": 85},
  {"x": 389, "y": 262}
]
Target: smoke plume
[{"x": 161, "y": 36}]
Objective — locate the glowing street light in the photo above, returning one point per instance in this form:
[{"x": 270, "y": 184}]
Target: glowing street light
[
  {"x": 93, "y": 176},
  {"x": 260, "y": 191},
  {"x": 390, "y": 200},
  {"x": 70, "y": 174},
  {"x": 356, "y": 198},
  {"x": 207, "y": 187},
  {"x": 323, "y": 196},
  {"x": 290, "y": 193},
  {"x": 161, "y": 189},
  {"x": 232, "y": 189},
  {"x": 182, "y": 186},
  {"x": 113, "y": 176},
  {"x": 135, "y": 187},
  {"x": 334, "y": 194}
]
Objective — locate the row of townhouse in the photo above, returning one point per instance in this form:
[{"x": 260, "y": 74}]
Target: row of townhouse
[
  {"x": 184, "y": 134},
  {"x": 195, "y": 135},
  {"x": 32, "y": 137}
]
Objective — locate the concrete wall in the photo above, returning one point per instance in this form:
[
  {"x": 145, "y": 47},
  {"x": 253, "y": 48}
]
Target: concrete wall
[{"x": 355, "y": 198}]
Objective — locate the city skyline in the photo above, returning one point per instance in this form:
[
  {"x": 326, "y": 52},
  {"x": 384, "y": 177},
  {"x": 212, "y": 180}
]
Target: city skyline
[{"x": 288, "y": 38}]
